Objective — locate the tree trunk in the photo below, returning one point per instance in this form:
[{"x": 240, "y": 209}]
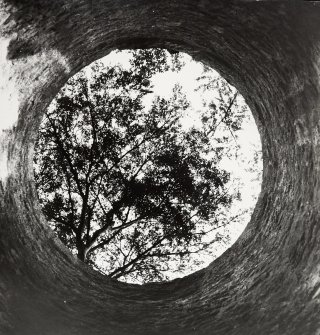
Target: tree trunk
[{"x": 82, "y": 254}]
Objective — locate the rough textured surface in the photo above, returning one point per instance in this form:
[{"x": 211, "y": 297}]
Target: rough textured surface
[{"x": 269, "y": 281}]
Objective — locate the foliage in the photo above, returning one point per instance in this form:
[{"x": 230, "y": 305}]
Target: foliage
[{"x": 128, "y": 188}]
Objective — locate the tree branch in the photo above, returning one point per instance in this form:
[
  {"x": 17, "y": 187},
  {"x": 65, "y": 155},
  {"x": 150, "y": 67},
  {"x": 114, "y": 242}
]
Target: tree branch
[
  {"x": 118, "y": 272},
  {"x": 66, "y": 156}
]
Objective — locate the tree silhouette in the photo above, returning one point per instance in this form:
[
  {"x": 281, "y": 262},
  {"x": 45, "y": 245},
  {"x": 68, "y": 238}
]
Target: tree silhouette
[{"x": 127, "y": 188}]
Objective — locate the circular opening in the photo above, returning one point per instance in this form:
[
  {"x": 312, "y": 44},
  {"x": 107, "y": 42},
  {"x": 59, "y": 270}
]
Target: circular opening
[{"x": 148, "y": 165}]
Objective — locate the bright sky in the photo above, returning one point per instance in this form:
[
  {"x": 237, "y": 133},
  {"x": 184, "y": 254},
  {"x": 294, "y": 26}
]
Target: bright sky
[
  {"x": 245, "y": 175},
  {"x": 248, "y": 138}
]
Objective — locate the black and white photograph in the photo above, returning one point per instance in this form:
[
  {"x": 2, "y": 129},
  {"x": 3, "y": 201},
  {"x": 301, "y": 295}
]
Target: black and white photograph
[{"x": 159, "y": 167}]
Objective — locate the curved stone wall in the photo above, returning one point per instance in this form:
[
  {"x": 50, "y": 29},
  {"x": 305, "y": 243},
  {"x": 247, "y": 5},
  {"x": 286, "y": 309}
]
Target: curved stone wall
[{"x": 269, "y": 281}]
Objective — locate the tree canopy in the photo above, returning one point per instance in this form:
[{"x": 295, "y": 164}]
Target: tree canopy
[{"x": 126, "y": 186}]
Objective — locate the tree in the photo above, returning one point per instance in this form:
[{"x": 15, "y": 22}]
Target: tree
[{"x": 128, "y": 188}]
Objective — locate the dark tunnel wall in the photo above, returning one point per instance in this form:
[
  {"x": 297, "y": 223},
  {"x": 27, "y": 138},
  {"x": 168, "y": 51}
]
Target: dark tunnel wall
[{"x": 268, "y": 282}]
